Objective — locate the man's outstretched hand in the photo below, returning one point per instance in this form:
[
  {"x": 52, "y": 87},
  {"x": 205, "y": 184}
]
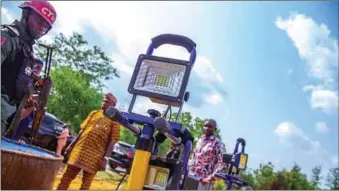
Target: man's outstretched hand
[{"x": 205, "y": 181}]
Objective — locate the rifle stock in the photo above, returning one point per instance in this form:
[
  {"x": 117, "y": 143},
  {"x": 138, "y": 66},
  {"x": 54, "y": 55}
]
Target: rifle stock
[{"x": 10, "y": 133}]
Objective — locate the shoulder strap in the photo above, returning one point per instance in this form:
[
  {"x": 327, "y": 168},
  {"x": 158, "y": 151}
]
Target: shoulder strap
[{"x": 11, "y": 29}]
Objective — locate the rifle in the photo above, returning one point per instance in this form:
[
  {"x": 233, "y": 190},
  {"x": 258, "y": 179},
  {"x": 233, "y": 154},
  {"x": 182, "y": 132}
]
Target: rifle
[{"x": 44, "y": 85}]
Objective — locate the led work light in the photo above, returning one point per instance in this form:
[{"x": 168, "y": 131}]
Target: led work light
[
  {"x": 163, "y": 79},
  {"x": 242, "y": 161}
]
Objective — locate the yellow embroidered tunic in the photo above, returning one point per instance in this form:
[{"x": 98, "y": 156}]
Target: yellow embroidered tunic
[{"x": 98, "y": 132}]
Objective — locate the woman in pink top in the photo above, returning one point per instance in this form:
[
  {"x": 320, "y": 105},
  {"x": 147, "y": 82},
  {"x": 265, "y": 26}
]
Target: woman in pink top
[{"x": 62, "y": 139}]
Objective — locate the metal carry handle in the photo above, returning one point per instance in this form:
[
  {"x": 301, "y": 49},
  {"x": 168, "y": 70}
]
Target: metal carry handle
[
  {"x": 174, "y": 39},
  {"x": 163, "y": 127},
  {"x": 243, "y": 144},
  {"x": 114, "y": 114}
]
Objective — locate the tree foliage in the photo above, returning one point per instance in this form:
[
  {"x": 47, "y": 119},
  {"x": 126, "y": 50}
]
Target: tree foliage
[
  {"x": 266, "y": 178},
  {"x": 316, "y": 177},
  {"x": 333, "y": 179},
  {"x": 77, "y": 72},
  {"x": 75, "y": 52},
  {"x": 72, "y": 99},
  {"x": 193, "y": 124}
]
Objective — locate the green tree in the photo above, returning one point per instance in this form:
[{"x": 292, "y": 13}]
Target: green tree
[
  {"x": 77, "y": 74},
  {"x": 194, "y": 125},
  {"x": 264, "y": 176},
  {"x": 298, "y": 180},
  {"x": 72, "y": 98},
  {"x": 280, "y": 182},
  {"x": 333, "y": 179},
  {"x": 316, "y": 177},
  {"x": 248, "y": 176},
  {"x": 267, "y": 178},
  {"x": 127, "y": 137},
  {"x": 74, "y": 51}
]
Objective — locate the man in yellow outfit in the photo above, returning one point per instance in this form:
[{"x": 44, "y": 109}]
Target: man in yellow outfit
[{"x": 92, "y": 147}]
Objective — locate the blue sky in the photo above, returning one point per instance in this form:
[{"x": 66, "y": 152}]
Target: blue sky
[{"x": 266, "y": 71}]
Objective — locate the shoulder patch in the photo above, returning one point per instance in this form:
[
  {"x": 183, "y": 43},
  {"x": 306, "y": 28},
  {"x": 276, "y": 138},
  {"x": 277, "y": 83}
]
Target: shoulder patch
[{"x": 3, "y": 39}]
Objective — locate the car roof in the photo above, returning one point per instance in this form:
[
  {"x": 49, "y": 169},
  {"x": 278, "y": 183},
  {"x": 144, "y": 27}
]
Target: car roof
[
  {"x": 54, "y": 117},
  {"x": 125, "y": 144}
]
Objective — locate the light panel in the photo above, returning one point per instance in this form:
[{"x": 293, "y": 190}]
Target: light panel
[
  {"x": 157, "y": 177},
  {"x": 161, "y": 80},
  {"x": 243, "y": 161},
  {"x": 160, "y": 77}
]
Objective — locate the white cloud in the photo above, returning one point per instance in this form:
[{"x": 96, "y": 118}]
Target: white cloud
[
  {"x": 289, "y": 71},
  {"x": 286, "y": 128},
  {"x": 141, "y": 106},
  {"x": 6, "y": 16},
  {"x": 206, "y": 70},
  {"x": 322, "y": 98},
  {"x": 48, "y": 38},
  {"x": 121, "y": 63},
  {"x": 321, "y": 127},
  {"x": 213, "y": 98},
  {"x": 313, "y": 43},
  {"x": 320, "y": 51},
  {"x": 132, "y": 34},
  {"x": 335, "y": 160},
  {"x": 294, "y": 137},
  {"x": 202, "y": 67}
]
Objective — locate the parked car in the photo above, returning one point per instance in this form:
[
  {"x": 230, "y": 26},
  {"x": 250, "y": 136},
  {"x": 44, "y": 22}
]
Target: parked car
[
  {"x": 46, "y": 137},
  {"x": 122, "y": 156}
]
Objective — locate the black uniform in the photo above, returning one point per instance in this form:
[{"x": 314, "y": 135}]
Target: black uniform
[{"x": 16, "y": 61}]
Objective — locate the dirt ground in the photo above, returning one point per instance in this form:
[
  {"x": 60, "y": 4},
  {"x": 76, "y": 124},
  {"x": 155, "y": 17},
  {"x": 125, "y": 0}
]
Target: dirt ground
[
  {"x": 107, "y": 180},
  {"x": 97, "y": 184}
]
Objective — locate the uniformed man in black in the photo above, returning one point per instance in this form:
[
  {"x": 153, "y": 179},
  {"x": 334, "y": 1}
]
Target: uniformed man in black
[{"x": 17, "y": 60}]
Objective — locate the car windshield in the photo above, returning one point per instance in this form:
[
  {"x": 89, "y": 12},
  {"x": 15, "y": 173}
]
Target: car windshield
[
  {"x": 58, "y": 126},
  {"x": 48, "y": 122}
]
